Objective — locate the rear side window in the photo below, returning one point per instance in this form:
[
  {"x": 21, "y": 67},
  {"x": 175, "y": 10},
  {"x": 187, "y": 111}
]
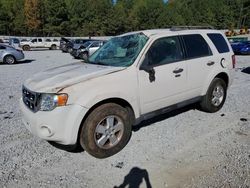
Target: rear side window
[
  {"x": 16, "y": 41},
  {"x": 196, "y": 46},
  {"x": 219, "y": 42},
  {"x": 2, "y": 47}
]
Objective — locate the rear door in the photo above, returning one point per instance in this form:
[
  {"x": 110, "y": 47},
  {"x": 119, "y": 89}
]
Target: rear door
[
  {"x": 162, "y": 75},
  {"x": 200, "y": 61},
  {"x": 40, "y": 43}
]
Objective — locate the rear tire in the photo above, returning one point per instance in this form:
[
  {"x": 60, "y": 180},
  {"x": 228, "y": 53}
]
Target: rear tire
[
  {"x": 106, "y": 130},
  {"x": 215, "y": 96},
  {"x": 26, "y": 48},
  {"x": 53, "y": 47},
  {"x": 9, "y": 59}
]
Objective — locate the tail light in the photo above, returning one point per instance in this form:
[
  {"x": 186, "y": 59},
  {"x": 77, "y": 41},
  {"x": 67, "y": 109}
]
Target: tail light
[{"x": 233, "y": 61}]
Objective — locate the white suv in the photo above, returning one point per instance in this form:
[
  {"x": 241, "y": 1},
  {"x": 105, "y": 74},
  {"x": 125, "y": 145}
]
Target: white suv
[{"x": 132, "y": 77}]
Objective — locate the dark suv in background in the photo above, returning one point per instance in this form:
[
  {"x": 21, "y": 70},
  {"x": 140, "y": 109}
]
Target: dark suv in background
[{"x": 67, "y": 45}]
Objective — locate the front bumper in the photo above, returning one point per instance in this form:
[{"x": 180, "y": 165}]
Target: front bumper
[{"x": 60, "y": 125}]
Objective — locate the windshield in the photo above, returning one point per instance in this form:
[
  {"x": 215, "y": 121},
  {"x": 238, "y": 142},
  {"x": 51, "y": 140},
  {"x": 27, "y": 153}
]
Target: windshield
[{"x": 120, "y": 51}]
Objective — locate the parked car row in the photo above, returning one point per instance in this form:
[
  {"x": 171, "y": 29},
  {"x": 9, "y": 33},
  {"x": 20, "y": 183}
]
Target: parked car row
[{"x": 241, "y": 48}]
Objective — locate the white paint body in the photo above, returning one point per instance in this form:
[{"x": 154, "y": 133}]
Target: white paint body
[
  {"x": 87, "y": 85},
  {"x": 40, "y": 43}
]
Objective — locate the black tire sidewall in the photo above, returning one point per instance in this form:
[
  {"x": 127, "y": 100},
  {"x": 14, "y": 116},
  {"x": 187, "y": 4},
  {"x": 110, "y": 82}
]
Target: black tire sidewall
[
  {"x": 207, "y": 99},
  {"x": 7, "y": 57},
  {"x": 26, "y": 48},
  {"x": 53, "y": 47},
  {"x": 87, "y": 134}
]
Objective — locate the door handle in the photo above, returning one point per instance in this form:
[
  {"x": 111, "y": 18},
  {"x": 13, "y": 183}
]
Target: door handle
[
  {"x": 177, "y": 71},
  {"x": 210, "y": 63}
]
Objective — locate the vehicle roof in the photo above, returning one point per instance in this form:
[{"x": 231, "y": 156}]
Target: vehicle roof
[{"x": 153, "y": 32}]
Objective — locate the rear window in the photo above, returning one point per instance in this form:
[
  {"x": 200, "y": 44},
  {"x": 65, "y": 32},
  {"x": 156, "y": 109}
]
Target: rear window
[
  {"x": 219, "y": 42},
  {"x": 196, "y": 46}
]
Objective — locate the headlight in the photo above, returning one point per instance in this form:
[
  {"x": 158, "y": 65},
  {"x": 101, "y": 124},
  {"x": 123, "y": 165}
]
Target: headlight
[{"x": 49, "y": 102}]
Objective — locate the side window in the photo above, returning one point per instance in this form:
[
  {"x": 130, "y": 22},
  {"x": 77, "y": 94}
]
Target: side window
[
  {"x": 34, "y": 40},
  {"x": 48, "y": 40},
  {"x": 16, "y": 41},
  {"x": 39, "y": 40},
  {"x": 55, "y": 40},
  {"x": 196, "y": 46},
  {"x": 2, "y": 48},
  {"x": 164, "y": 51},
  {"x": 95, "y": 44},
  {"x": 219, "y": 42}
]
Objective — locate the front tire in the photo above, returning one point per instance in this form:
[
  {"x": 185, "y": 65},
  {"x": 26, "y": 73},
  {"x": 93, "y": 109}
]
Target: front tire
[
  {"x": 215, "y": 96},
  {"x": 106, "y": 130},
  {"x": 84, "y": 55},
  {"x": 9, "y": 59}
]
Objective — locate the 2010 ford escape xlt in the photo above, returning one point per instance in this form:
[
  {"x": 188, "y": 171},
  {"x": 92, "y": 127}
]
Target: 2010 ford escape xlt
[{"x": 132, "y": 77}]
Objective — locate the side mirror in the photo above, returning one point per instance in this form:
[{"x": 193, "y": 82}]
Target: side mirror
[{"x": 149, "y": 69}]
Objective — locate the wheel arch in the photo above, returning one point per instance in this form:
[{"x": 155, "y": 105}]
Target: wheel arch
[
  {"x": 8, "y": 54},
  {"x": 222, "y": 75},
  {"x": 118, "y": 101}
]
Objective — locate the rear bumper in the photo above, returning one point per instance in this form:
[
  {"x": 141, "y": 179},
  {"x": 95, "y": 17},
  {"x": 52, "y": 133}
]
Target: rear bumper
[
  {"x": 19, "y": 57},
  {"x": 60, "y": 125}
]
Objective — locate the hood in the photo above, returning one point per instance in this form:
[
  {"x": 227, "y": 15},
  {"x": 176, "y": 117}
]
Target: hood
[{"x": 56, "y": 79}]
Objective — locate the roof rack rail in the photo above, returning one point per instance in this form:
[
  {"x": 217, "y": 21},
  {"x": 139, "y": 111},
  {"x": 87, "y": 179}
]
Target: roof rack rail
[{"x": 178, "y": 28}]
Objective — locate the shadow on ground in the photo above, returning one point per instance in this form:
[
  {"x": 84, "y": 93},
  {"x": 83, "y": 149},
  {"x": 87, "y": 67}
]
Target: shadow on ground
[
  {"x": 20, "y": 62},
  {"x": 70, "y": 148},
  {"x": 164, "y": 116},
  {"x": 26, "y": 61},
  {"x": 246, "y": 70},
  {"x": 135, "y": 178}
]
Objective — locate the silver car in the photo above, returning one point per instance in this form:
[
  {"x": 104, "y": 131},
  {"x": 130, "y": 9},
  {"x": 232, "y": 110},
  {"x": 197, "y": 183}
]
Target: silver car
[
  {"x": 89, "y": 48},
  {"x": 10, "y": 55}
]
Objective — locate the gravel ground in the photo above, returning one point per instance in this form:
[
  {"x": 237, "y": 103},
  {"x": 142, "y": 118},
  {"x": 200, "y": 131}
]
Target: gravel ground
[{"x": 186, "y": 148}]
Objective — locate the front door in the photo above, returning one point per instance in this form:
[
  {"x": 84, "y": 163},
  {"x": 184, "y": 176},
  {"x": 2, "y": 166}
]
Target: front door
[{"x": 162, "y": 75}]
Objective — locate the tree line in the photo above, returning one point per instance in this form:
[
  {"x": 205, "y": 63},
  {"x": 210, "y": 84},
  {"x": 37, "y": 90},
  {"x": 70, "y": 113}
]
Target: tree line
[{"x": 108, "y": 17}]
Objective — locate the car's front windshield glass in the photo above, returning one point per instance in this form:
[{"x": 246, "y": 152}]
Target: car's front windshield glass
[{"x": 120, "y": 51}]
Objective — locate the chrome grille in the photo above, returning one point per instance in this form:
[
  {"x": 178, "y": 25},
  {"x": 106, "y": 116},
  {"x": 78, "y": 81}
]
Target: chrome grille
[{"x": 31, "y": 99}]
